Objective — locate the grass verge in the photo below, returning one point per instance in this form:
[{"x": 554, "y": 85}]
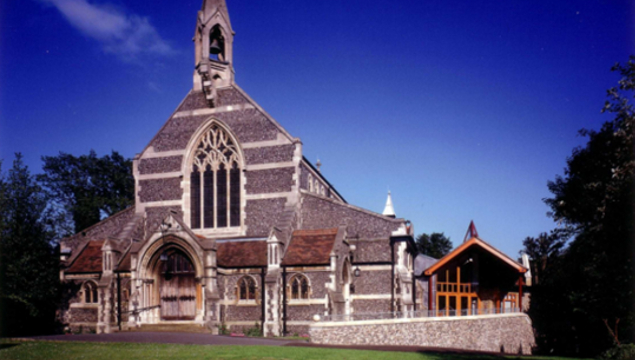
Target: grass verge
[{"x": 39, "y": 350}]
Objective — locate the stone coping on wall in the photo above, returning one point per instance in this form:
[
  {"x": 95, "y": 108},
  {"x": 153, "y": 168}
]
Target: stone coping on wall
[
  {"x": 505, "y": 333},
  {"x": 415, "y": 320}
]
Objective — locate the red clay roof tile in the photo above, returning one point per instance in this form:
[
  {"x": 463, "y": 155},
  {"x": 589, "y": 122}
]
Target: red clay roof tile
[
  {"x": 310, "y": 247},
  {"x": 241, "y": 254},
  {"x": 89, "y": 260}
]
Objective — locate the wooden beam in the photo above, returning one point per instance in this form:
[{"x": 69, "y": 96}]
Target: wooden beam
[
  {"x": 429, "y": 294},
  {"x": 520, "y": 293}
]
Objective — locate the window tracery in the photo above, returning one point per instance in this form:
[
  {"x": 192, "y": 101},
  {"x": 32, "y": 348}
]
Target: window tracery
[
  {"x": 215, "y": 182},
  {"x": 90, "y": 292},
  {"x": 298, "y": 287},
  {"x": 246, "y": 288}
]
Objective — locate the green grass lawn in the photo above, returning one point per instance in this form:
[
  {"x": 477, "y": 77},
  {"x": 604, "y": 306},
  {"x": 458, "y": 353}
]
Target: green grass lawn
[{"x": 26, "y": 350}]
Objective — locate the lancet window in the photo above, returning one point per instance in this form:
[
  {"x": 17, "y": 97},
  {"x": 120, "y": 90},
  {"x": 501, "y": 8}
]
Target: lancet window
[
  {"x": 299, "y": 287},
  {"x": 246, "y": 288},
  {"x": 215, "y": 182},
  {"x": 90, "y": 293}
]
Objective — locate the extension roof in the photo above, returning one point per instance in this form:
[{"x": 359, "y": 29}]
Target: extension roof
[
  {"x": 236, "y": 254},
  {"x": 478, "y": 243},
  {"x": 310, "y": 247},
  {"x": 89, "y": 259}
]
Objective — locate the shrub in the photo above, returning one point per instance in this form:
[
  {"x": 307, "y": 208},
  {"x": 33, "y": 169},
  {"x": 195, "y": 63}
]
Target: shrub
[
  {"x": 254, "y": 331},
  {"x": 222, "y": 329},
  {"x": 620, "y": 352}
]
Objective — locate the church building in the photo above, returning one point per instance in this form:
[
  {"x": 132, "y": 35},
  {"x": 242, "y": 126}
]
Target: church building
[{"x": 232, "y": 227}]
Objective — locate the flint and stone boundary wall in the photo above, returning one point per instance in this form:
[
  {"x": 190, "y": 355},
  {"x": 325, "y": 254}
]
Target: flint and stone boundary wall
[{"x": 506, "y": 333}]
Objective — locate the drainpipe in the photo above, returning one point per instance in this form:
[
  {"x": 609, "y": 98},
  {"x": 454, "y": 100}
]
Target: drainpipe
[
  {"x": 284, "y": 301},
  {"x": 119, "y": 301},
  {"x": 414, "y": 287},
  {"x": 392, "y": 276},
  {"x": 262, "y": 298}
]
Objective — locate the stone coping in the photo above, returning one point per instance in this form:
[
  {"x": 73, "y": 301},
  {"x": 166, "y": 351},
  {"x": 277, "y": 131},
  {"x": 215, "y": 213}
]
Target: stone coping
[{"x": 324, "y": 324}]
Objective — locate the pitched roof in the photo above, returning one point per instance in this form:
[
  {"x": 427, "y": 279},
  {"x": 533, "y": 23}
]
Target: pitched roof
[
  {"x": 483, "y": 245},
  {"x": 310, "y": 247},
  {"x": 241, "y": 254},
  {"x": 89, "y": 260},
  {"x": 124, "y": 263}
]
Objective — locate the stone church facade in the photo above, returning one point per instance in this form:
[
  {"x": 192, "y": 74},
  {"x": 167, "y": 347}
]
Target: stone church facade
[{"x": 231, "y": 225}]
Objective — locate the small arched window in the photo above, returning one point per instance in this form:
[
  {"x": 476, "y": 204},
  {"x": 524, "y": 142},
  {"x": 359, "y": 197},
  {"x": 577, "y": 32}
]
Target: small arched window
[
  {"x": 310, "y": 181},
  {"x": 298, "y": 287},
  {"x": 246, "y": 288},
  {"x": 215, "y": 182},
  {"x": 90, "y": 293}
]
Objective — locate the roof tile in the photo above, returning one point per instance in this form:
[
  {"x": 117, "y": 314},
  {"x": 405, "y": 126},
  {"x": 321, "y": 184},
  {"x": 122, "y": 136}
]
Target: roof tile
[
  {"x": 241, "y": 254},
  {"x": 310, "y": 247},
  {"x": 89, "y": 260}
]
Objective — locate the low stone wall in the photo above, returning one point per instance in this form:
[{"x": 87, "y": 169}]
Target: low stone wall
[{"x": 508, "y": 333}]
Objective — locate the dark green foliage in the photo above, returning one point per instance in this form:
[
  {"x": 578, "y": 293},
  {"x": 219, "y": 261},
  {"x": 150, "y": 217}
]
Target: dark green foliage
[
  {"x": 591, "y": 284},
  {"x": 255, "y": 331},
  {"x": 28, "y": 263},
  {"x": 620, "y": 352},
  {"x": 88, "y": 187},
  {"x": 545, "y": 250},
  {"x": 436, "y": 245}
]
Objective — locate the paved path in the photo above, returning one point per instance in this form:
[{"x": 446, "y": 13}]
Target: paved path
[{"x": 167, "y": 338}]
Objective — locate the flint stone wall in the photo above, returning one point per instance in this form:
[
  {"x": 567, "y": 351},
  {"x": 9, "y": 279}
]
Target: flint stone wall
[
  {"x": 371, "y": 305},
  {"x": 270, "y": 181},
  {"x": 507, "y": 333},
  {"x": 260, "y": 215},
  {"x": 103, "y": 229},
  {"x": 248, "y": 125},
  {"x": 270, "y": 154},
  {"x": 160, "y": 189},
  {"x": 319, "y": 213},
  {"x": 160, "y": 165}
]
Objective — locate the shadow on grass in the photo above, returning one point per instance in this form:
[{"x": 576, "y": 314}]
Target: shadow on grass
[{"x": 7, "y": 346}]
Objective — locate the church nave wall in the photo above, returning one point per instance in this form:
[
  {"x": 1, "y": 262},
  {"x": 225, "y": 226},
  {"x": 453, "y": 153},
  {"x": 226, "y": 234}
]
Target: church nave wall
[
  {"x": 270, "y": 180},
  {"x": 160, "y": 189},
  {"x": 160, "y": 165},
  {"x": 261, "y": 214}
]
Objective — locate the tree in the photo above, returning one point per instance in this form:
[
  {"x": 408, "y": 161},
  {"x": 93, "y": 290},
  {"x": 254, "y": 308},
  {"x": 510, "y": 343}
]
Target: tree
[
  {"x": 436, "y": 245},
  {"x": 593, "y": 279},
  {"x": 545, "y": 249},
  {"x": 28, "y": 263},
  {"x": 87, "y": 187}
]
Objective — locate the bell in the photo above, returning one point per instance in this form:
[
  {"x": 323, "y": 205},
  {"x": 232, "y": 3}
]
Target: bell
[{"x": 214, "y": 47}]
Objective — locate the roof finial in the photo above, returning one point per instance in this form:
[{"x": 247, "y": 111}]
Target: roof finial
[
  {"x": 318, "y": 164},
  {"x": 389, "y": 210},
  {"x": 471, "y": 232}
]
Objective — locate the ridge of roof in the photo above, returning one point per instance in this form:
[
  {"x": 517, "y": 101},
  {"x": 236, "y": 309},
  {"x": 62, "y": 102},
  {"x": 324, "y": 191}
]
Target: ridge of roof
[
  {"x": 483, "y": 244},
  {"x": 353, "y": 207}
]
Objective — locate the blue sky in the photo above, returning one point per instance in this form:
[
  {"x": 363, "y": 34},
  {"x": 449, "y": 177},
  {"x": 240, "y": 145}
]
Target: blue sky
[{"x": 464, "y": 110}]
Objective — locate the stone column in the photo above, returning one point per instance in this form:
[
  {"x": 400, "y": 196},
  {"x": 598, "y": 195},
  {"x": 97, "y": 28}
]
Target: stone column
[
  {"x": 273, "y": 304},
  {"x": 211, "y": 301}
]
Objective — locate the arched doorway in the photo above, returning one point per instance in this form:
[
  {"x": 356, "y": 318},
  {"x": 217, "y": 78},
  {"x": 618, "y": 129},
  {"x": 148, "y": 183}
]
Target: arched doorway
[{"x": 177, "y": 286}]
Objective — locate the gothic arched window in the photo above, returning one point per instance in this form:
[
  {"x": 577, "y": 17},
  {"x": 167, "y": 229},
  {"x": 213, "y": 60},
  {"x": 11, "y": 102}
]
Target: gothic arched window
[
  {"x": 299, "y": 287},
  {"x": 90, "y": 292},
  {"x": 246, "y": 288},
  {"x": 215, "y": 182}
]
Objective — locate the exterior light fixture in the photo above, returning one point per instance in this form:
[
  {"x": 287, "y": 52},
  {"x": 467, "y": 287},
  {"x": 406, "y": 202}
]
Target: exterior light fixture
[{"x": 357, "y": 272}]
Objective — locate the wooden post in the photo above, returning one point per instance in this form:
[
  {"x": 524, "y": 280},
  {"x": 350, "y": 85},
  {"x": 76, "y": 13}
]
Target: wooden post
[
  {"x": 520, "y": 293},
  {"x": 430, "y": 293},
  {"x": 458, "y": 289}
]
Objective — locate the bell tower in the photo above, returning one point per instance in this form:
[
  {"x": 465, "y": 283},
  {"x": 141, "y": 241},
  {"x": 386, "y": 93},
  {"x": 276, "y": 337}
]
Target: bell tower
[{"x": 213, "y": 56}]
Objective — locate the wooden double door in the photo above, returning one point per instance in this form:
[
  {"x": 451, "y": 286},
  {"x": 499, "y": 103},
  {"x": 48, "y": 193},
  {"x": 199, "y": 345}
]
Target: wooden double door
[{"x": 177, "y": 287}]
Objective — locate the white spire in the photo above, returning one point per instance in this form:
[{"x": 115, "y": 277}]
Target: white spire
[{"x": 389, "y": 210}]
